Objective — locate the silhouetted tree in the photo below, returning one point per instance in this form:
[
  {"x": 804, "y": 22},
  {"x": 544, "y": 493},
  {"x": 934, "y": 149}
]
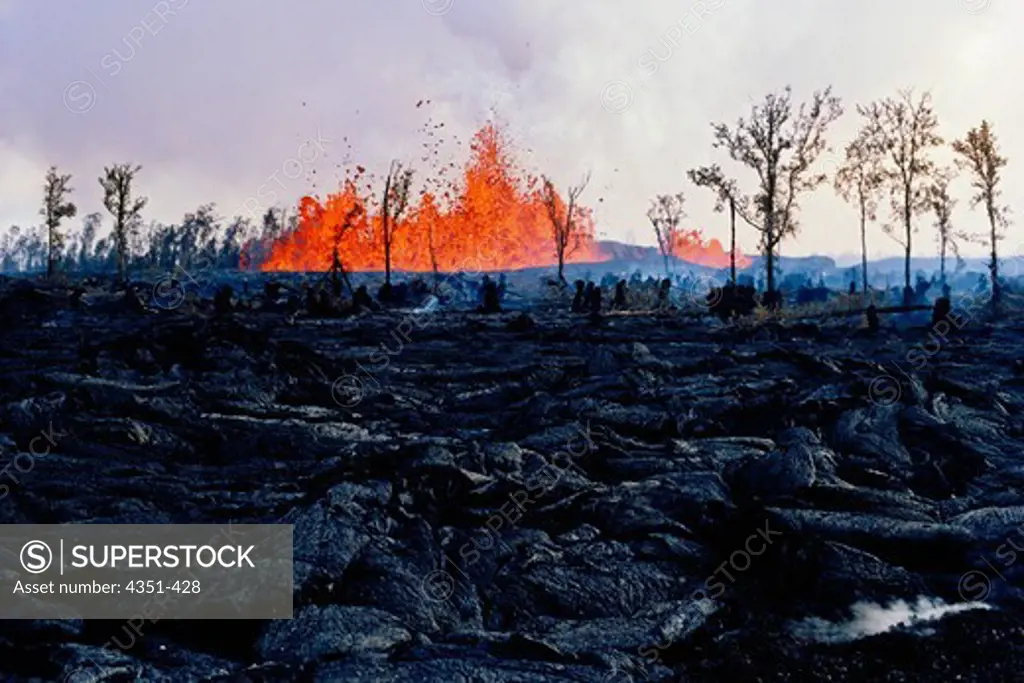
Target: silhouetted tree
[
  {"x": 394, "y": 202},
  {"x": 665, "y": 214},
  {"x": 781, "y": 146},
  {"x": 31, "y": 246},
  {"x": 105, "y": 254},
  {"x": 859, "y": 180},
  {"x": 165, "y": 243},
  {"x": 197, "y": 240},
  {"x": 900, "y": 132},
  {"x": 9, "y": 250},
  {"x": 273, "y": 223},
  {"x": 432, "y": 250},
  {"x": 90, "y": 226},
  {"x": 942, "y": 205},
  {"x": 436, "y": 194},
  {"x": 339, "y": 231},
  {"x": 564, "y": 228},
  {"x": 236, "y": 235},
  {"x": 140, "y": 244},
  {"x": 978, "y": 153},
  {"x": 116, "y": 182},
  {"x": 256, "y": 247},
  {"x": 55, "y": 208},
  {"x": 726, "y": 194}
]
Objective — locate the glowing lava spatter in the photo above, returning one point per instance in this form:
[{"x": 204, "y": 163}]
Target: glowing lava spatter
[{"x": 495, "y": 219}]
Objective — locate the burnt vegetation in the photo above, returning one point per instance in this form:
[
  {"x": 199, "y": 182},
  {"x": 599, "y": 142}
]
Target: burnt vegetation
[{"x": 502, "y": 476}]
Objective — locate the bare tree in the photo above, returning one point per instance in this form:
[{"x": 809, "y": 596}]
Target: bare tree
[
  {"x": 978, "y": 153},
  {"x": 665, "y": 214},
  {"x": 859, "y": 180},
  {"x": 116, "y": 182},
  {"x": 564, "y": 228},
  {"x": 393, "y": 204},
  {"x": 90, "y": 226},
  {"x": 780, "y": 145},
  {"x": 726, "y": 194},
  {"x": 432, "y": 250},
  {"x": 56, "y": 208},
  {"x": 338, "y": 233},
  {"x": 437, "y": 191},
  {"x": 942, "y": 204},
  {"x": 900, "y": 132}
]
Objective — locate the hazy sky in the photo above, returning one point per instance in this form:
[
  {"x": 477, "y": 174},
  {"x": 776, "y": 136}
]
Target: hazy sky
[{"x": 218, "y": 98}]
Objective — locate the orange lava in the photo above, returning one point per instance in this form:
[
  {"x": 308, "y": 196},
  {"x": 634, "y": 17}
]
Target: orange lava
[
  {"x": 691, "y": 248},
  {"x": 495, "y": 219}
]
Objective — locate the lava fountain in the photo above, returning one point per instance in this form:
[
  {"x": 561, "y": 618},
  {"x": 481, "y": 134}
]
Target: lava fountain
[
  {"x": 495, "y": 219},
  {"x": 690, "y": 247}
]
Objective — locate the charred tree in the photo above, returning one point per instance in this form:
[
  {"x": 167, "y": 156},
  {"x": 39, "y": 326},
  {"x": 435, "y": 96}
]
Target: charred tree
[
  {"x": 732, "y": 240},
  {"x": 900, "y": 132},
  {"x": 859, "y": 180},
  {"x": 56, "y": 208},
  {"x": 665, "y": 214},
  {"x": 726, "y": 194},
  {"x": 126, "y": 210},
  {"x": 394, "y": 202},
  {"x": 780, "y": 143},
  {"x": 942, "y": 205},
  {"x": 978, "y": 153},
  {"x": 564, "y": 227}
]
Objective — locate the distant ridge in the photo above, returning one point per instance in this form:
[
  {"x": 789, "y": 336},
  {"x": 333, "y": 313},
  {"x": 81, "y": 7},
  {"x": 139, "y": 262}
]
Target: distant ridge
[{"x": 890, "y": 265}]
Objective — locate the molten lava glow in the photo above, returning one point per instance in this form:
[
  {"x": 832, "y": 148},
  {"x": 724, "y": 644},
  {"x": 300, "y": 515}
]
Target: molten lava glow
[
  {"x": 691, "y": 248},
  {"x": 496, "y": 219}
]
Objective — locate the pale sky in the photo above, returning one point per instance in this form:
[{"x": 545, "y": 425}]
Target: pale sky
[{"x": 214, "y": 98}]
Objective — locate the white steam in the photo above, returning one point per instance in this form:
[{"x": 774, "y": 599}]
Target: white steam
[{"x": 871, "y": 619}]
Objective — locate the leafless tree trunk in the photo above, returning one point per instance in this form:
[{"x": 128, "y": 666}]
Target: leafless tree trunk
[
  {"x": 979, "y": 153},
  {"x": 859, "y": 180},
  {"x": 564, "y": 230},
  {"x": 432, "y": 248},
  {"x": 863, "y": 251},
  {"x": 899, "y": 133},
  {"x": 393, "y": 204},
  {"x": 117, "y": 198},
  {"x": 780, "y": 144},
  {"x": 55, "y": 209},
  {"x": 337, "y": 265},
  {"x": 665, "y": 214},
  {"x": 732, "y": 240},
  {"x": 942, "y": 205},
  {"x": 385, "y": 219}
]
